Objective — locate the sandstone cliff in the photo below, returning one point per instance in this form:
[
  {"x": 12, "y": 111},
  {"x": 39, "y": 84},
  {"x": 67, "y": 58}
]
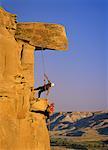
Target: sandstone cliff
[{"x": 21, "y": 129}]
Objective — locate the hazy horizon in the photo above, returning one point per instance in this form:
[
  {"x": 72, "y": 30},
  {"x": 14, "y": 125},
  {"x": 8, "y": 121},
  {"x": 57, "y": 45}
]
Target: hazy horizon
[{"x": 79, "y": 74}]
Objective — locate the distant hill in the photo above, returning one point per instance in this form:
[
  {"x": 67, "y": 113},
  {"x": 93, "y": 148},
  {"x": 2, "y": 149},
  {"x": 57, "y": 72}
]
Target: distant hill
[{"x": 87, "y": 125}]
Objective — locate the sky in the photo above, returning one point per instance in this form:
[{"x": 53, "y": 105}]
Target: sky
[{"x": 79, "y": 74}]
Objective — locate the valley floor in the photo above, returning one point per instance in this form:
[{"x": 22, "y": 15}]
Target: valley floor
[{"x": 66, "y": 143}]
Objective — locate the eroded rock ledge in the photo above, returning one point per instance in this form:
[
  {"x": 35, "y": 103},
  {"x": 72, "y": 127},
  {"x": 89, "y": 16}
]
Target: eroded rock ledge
[
  {"x": 21, "y": 129},
  {"x": 43, "y": 35}
]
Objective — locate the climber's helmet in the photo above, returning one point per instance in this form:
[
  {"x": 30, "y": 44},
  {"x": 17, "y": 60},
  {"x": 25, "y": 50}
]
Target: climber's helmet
[{"x": 52, "y": 84}]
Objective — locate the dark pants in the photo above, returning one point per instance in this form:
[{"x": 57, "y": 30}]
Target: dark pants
[
  {"x": 46, "y": 113},
  {"x": 41, "y": 89}
]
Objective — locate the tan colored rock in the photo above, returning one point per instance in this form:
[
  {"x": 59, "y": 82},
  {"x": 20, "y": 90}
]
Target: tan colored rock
[
  {"x": 21, "y": 129},
  {"x": 39, "y": 124},
  {"x": 7, "y": 20},
  {"x": 40, "y": 104},
  {"x": 9, "y": 60},
  {"x": 27, "y": 62},
  {"x": 43, "y": 35}
]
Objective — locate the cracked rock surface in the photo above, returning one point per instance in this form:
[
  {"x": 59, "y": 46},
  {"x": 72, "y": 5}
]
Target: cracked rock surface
[{"x": 21, "y": 129}]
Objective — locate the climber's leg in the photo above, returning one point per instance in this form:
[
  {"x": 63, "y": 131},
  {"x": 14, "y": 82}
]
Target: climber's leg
[
  {"x": 39, "y": 93},
  {"x": 47, "y": 114},
  {"x": 39, "y": 88}
]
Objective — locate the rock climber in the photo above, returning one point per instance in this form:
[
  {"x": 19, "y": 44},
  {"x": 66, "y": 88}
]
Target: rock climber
[
  {"x": 48, "y": 111},
  {"x": 45, "y": 87}
]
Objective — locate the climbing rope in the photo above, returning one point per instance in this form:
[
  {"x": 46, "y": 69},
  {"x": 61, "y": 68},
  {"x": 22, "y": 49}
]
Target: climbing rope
[
  {"x": 44, "y": 70},
  {"x": 43, "y": 62},
  {"x": 45, "y": 77},
  {"x": 36, "y": 68}
]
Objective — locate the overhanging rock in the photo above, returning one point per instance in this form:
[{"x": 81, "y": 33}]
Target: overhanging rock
[{"x": 43, "y": 35}]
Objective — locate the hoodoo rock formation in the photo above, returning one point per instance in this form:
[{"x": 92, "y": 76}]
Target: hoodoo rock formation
[{"x": 21, "y": 129}]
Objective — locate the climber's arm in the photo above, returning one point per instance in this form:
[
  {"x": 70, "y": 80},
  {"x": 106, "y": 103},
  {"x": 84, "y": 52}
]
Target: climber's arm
[{"x": 47, "y": 78}]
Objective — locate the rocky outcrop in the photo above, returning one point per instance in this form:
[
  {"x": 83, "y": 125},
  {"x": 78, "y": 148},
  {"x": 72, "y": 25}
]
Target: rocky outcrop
[
  {"x": 42, "y": 35},
  {"x": 20, "y": 129},
  {"x": 79, "y": 115}
]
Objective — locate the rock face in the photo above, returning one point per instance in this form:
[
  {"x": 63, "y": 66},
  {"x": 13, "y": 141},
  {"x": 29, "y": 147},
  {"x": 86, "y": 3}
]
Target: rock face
[
  {"x": 42, "y": 35},
  {"x": 20, "y": 129}
]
